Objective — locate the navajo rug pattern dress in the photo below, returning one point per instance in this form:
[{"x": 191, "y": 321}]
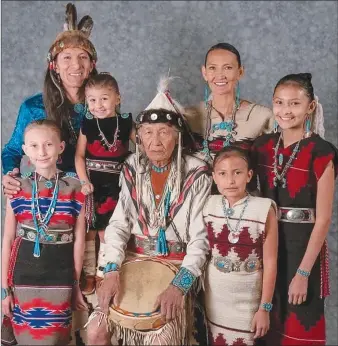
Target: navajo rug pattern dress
[
  {"x": 42, "y": 274},
  {"x": 302, "y": 324},
  {"x": 233, "y": 277}
]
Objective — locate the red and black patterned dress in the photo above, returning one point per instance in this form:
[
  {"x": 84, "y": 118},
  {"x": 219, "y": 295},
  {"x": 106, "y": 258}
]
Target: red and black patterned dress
[
  {"x": 302, "y": 324},
  {"x": 42, "y": 286},
  {"x": 104, "y": 165}
]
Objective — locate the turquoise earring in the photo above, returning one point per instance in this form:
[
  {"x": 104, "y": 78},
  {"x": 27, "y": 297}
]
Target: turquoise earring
[
  {"x": 275, "y": 126},
  {"x": 206, "y": 95},
  {"x": 307, "y": 127},
  {"x": 237, "y": 100}
]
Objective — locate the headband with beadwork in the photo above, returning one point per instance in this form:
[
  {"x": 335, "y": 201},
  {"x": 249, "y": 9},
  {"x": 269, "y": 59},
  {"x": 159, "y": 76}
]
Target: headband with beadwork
[{"x": 74, "y": 35}]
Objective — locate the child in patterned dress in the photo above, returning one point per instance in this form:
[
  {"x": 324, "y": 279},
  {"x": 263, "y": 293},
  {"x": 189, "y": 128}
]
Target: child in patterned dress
[
  {"x": 42, "y": 258},
  {"x": 102, "y": 147},
  {"x": 242, "y": 232}
]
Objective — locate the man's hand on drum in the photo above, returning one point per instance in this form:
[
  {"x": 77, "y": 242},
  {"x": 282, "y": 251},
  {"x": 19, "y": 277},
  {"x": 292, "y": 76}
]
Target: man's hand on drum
[
  {"x": 110, "y": 288},
  {"x": 11, "y": 186},
  {"x": 171, "y": 303}
]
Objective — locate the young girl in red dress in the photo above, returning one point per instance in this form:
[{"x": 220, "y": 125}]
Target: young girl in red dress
[
  {"x": 102, "y": 147},
  {"x": 296, "y": 168}
]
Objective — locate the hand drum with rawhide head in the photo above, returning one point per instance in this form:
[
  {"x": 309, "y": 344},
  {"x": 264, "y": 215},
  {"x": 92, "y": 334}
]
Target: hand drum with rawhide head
[{"x": 142, "y": 280}]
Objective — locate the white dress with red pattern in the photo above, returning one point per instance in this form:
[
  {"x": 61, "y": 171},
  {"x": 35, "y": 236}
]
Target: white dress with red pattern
[{"x": 233, "y": 277}]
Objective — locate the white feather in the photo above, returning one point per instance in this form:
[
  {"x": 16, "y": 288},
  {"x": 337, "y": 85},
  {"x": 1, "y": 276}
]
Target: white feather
[{"x": 164, "y": 82}]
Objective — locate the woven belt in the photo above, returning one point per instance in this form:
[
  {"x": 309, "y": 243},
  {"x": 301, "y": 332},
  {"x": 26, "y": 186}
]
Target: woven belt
[
  {"x": 226, "y": 265},
  {"x": 53, "y": 236},
  {"x": 104, "y": 166},
  {"x": 296, "y": 215},
  {"x": 147, "y": 246}
]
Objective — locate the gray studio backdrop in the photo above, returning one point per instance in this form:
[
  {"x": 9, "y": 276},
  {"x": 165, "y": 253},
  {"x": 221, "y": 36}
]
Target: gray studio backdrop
[{"x": 139, "y": 41}]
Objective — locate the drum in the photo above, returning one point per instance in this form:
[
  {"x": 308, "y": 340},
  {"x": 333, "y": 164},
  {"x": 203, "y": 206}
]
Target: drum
[{"x": 142, "y": 280}]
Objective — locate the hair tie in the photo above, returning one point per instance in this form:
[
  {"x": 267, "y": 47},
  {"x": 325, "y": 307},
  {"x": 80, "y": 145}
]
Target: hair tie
[{"x": 318, "y": 119}]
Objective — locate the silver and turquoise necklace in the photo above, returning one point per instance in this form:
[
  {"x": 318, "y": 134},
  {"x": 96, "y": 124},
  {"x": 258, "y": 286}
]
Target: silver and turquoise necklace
[
  {"x": 113, "y": 146},
  {"x": 281, "y": 176},
  {"x": 229, "y": 125},
  {"x": 41, "y": 221},
  {"x": 234, "y": 233}
]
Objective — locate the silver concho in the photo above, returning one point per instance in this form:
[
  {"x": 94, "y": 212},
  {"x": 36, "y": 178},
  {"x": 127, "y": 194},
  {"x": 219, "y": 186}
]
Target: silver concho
[
  {"x": 295, "y": 215},
  {"x": 153, "y": 116},
  {"x": 21, "y": 232},
  {"x": 223, "y": 264},
  {"x": 233, "y": 238},
  {"x": 169, "y": 117},
  {"x": 251, "y": 265},
  {"x": 64, "y": 237},
  {"x": 31, "y": 235},
  {"x": 71, "y": 237}
]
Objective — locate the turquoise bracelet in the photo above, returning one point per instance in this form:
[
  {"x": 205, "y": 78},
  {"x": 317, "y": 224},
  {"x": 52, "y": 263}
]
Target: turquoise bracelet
[
  {"x": 110, "y": 267},
  {"x": 303, "y": 272},
  {"x": 266, "y": 307},
  {"x": 183, "y": 280}
]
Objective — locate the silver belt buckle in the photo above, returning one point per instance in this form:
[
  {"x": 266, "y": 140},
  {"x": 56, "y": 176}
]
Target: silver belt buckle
[{"x": 295, "y": 215}]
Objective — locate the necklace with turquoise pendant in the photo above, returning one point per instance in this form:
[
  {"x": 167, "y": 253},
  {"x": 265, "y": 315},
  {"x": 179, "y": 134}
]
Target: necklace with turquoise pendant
[{"x": 280, "y": 159}]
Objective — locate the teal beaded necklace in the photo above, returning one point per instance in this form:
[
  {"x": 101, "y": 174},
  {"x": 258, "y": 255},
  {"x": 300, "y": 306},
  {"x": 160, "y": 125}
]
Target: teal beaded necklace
[
  {"x": 224, "y": 125},
  {"x": 41, "y": 221}
]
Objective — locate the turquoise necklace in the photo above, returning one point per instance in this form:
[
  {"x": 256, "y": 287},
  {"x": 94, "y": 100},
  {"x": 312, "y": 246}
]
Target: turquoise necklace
[
  {"x": 41, "y": 221},
  {"x": 161, "y": 246},
  {"x": 224, "y": 125},
  {"x": 233, "y": 236},
  {"x": 160, "y": 169}
]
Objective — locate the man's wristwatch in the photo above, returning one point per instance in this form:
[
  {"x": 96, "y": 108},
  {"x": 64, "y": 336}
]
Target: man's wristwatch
[{"x": 5, "y": 292}]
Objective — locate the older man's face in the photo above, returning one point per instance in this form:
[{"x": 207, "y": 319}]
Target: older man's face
[{"x": 158, "y": 141}]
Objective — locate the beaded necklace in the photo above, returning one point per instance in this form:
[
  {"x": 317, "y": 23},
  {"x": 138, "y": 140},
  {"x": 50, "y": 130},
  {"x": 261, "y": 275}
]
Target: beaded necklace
[
  {"x": 224, "y": 125},
  {"x": 281, "y": 177},
  {"x": 41, "y": 221},
  {"x": 160, "y": 169},
  {"x": 233, "y": 236},
  {"x": 110, "y": 147}
]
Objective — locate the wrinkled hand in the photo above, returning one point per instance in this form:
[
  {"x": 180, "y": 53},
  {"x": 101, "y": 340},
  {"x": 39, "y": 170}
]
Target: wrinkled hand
[
  {"x": 87, "y": 188},
  {"x": 8, "y": 306},
  {"x": 260, "y": 323},
  {"x": 78, "y": 302},
  {"x": 298, "y": 290},
  {"x": 10, "y": 185},
  {"x": 171, "y": 302},
  {"x": 110, "y": 288}
]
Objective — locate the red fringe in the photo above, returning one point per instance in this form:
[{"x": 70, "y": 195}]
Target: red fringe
[
  {"x": 324, "y": 271},
  {"x": 12, "y": 260}
]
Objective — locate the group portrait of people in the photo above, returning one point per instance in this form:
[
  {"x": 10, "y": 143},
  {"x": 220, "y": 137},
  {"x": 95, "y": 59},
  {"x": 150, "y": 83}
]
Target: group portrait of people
[{"x": 209, "y": 230}]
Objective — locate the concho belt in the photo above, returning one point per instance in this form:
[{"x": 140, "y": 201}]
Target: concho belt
[
  {"x": 104, "y": 166},
  {"x": 296, "y": 215},
  {"x": 147, "y": 246},
  {"x": 226, "y": 265},
  {"x": 53, "y": 236}
]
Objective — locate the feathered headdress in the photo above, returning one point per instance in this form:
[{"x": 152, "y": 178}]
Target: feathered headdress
[
  {"x": 164, "y": 109},
  {"x": 75, "y": 35}
]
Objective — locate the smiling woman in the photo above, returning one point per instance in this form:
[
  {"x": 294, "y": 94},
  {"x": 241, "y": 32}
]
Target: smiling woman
[
  {"x": 224, "y": 118},
  {"x": 71, "y": 59}
]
